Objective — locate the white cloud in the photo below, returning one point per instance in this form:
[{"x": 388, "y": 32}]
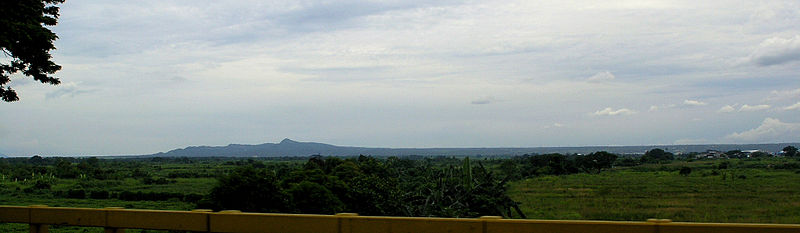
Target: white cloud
[
  {"x": 694, "y": 103},
  {"x": 792, "y": 107},
  {"x": 751, "y": 108},
  {"x": 656, "y": 107},
  {"x": 726, "y": 109},
  {"x": 70, "y": 89},
  {"x": 554, "y": 125},
  {"x": 783, "y": 95},
  {"x": 611, "y": 112},
  {"x": 776, "y": 50},
  {"x": 484, "y": 100},
  {"x": 601, "y": 76},
  {"x": 770, "y": 130}
]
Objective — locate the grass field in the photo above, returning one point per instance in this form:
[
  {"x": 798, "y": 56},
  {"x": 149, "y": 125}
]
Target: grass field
[{"x": 747, "y": 192}]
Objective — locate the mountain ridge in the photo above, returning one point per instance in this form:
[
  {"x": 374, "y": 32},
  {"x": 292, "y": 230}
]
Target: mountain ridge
[{"x": 288, "y": 147}]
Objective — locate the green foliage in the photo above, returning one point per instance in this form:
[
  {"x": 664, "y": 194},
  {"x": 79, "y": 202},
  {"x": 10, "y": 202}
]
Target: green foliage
[
  {"x": 685, "y": 171},
  {"x": 313, "y": 198},
  {"x": 76, "y": 193},
  {"x": 657, "y": 156},
  {"x": 27, "y": 41},
  {"x": 99, "y": 194},
  {"x": 759, "y": 154},
  {"x": 248, "y": 189},
  {"x": 556, "y": 186},
  {"x": 368, "y": 186},
  {"x": 790, "y": 151},
  {"x": 595, "y": 162}
]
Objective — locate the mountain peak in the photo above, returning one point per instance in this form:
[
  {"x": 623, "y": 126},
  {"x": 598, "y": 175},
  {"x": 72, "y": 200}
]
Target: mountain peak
[{"x": 287, "y": 141}]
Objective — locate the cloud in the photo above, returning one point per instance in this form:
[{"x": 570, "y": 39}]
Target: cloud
[
  {"x": 770, "y": 130},
  {"x": 694, "y": 103},
  {"x": 792, "y": 107},
  {"x": 726, "y": 109},
  {"x": 70, "y": 89},
  {"x": 666, "y": 106},
  {"x": 484, "y": 100},
  {"x": 782, "y": 95},
  {"x": 554, "y": 125},
  {"x": 601, "y": 76},
  {"x": 776, "y": 50},
  {"x": 611, "y": 112},
  {"x": 749, "y": 108}
]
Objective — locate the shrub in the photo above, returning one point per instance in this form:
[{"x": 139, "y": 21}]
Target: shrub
[
  {"x": 101, "y": 194},
  {"x": 685, "y": 171},
  {"x": 76, "y": 193}
]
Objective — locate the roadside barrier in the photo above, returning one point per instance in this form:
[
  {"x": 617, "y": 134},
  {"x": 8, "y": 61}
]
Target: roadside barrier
[{"x": 116, "y": 220}]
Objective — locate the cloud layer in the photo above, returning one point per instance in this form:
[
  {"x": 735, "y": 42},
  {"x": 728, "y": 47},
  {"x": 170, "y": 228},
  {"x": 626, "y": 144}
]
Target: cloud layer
[
  {"x": 777, "y": 50},
  {"x": 149, "y": 76},
  {"x": 770, "y": 130}
]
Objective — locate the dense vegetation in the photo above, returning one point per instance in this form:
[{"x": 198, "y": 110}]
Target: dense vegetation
[
  {"x": 551, "y": 186},
  {"x": 365, "y": 185}
]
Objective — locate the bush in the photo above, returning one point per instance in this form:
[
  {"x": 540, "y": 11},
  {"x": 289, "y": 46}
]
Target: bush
[
  {"x": 76, "y": 193},
  {"x": 685, "y": 171},
  {"x": 160, "y": 180},
  {"x": 102, "y": 194},
  {"x": 40, "y": 184},
  {"x": 192, "y": 197},
  {"x": 247, "y": 189},
  {"x": 724, "y": 165}
]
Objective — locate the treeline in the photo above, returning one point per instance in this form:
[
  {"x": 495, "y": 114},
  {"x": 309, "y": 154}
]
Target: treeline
[
  {"x": 383, "y": 186},
  {"x": 365, "y": 185},
  {"x": 527, "y": 166}
]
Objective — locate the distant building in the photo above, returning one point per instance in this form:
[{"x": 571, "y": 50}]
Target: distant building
[{"x": 711, "y": 154}]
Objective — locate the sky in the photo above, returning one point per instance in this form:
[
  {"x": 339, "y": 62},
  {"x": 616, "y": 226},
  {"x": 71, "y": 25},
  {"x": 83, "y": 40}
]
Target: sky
[{"x": 142, "y": 77}]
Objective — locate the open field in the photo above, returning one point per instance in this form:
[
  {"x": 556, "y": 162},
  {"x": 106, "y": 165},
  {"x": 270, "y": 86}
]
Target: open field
[{"x": 747, "y": 191}]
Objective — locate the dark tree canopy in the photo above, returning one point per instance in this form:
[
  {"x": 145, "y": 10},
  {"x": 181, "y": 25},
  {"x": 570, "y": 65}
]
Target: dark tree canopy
[
  {"x": 790, "y": 151},
  {"x": 25, "y": 39},
  {"x": 657, "y": 156}
]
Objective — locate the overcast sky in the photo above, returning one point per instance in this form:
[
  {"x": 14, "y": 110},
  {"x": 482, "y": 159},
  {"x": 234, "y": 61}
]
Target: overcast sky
[{"x": 141, "y": 77}]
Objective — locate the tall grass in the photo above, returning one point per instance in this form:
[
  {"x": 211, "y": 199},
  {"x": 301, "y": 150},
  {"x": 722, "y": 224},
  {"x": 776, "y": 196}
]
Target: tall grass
[{"x": 737, "y": 194}]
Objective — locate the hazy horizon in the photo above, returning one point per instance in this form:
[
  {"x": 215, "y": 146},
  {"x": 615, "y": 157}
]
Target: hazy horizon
[
  {"x": 661, "y": 146},
  {"x": 149, "y": 76}
]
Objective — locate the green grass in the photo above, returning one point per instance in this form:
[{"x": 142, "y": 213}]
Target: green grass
[{"x": 753, "y": 195}]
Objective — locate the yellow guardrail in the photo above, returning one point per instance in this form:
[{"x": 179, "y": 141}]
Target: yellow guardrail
[{"x": 116, "y": 220}]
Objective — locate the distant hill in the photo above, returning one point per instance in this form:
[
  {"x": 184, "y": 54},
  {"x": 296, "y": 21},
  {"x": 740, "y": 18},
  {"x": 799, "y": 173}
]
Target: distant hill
[{"x": 288, "y": 147}]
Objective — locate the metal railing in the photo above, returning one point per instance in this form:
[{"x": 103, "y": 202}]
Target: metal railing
[{"x": 116, "y": 220}]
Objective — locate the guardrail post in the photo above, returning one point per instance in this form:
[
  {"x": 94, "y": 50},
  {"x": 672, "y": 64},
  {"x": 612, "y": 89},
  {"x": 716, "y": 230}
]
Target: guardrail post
[
  {"x": 483, "y": 223},
  {"x": 341, "y": 223},
  {"x": 35, "y": 227},
  {"x": 657, "y": 223},
  {"x": 208, "y": 217}
]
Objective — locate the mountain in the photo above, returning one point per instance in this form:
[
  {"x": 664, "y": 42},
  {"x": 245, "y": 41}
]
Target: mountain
[{"x": 288, "y": 147}]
